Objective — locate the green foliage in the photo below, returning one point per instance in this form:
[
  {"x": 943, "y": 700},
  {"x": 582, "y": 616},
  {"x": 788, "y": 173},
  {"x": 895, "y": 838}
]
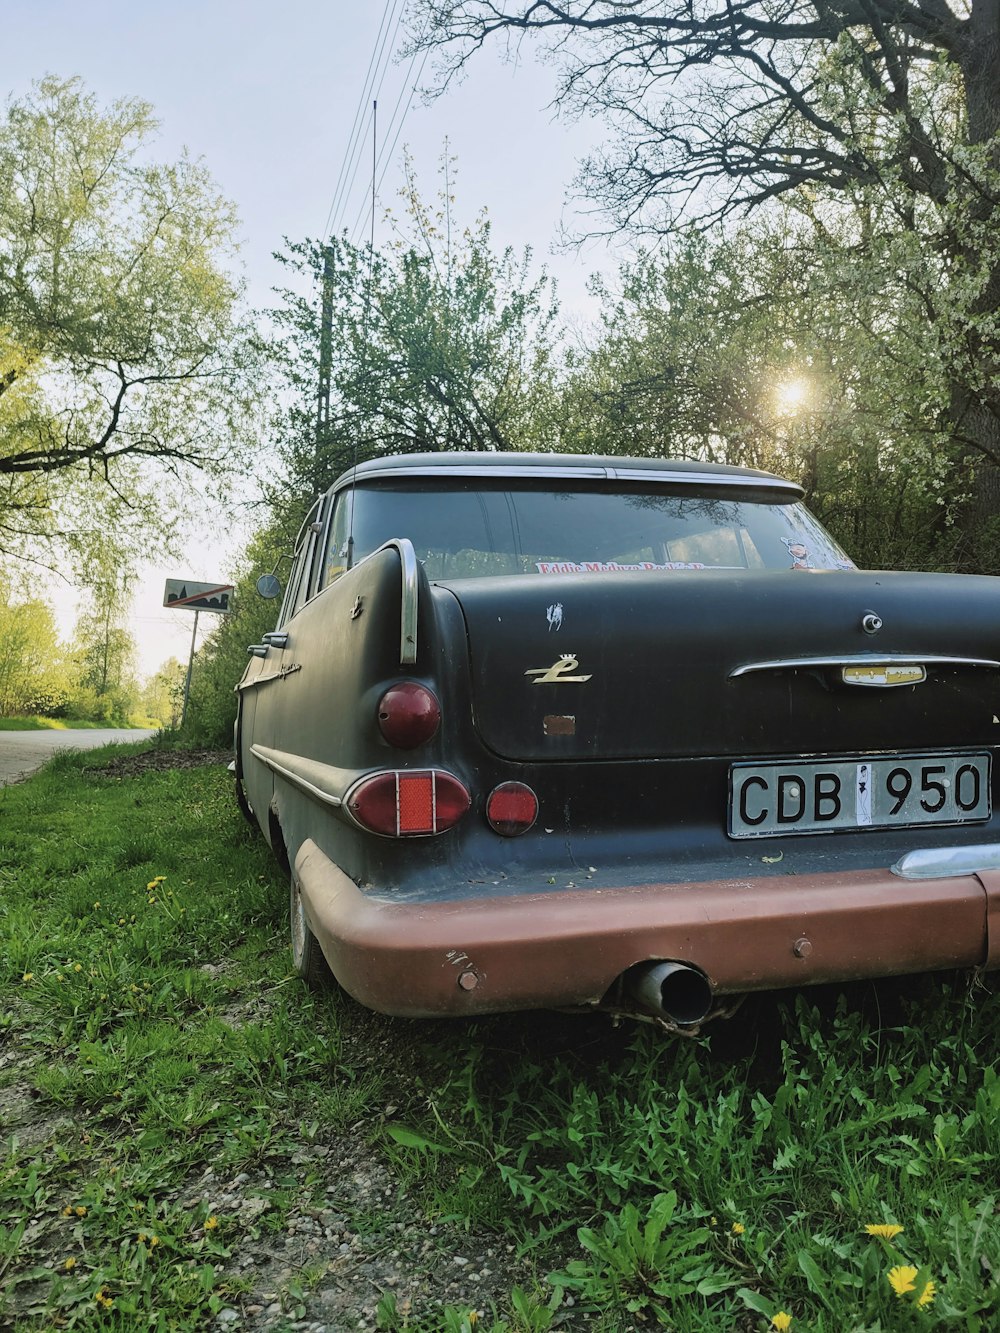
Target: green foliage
[
  {"x": 222, "y": 659},
  {"x": 123, "y": 361},
  {"x": 435, "y": 341},
  {"x": 35, "y": 671}
]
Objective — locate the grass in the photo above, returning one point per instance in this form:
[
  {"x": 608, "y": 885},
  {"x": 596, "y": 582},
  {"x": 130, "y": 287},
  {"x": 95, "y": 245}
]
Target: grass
[{"x": 154, "y": 1035}]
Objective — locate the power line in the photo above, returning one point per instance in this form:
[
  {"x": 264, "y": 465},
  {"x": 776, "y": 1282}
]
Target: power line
[
  {"x": 377, "y": 68},
  {"x": 386, "y": 154}
]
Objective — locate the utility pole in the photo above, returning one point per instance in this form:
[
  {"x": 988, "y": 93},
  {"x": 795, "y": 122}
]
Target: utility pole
[{"x": 325, "y": 371}]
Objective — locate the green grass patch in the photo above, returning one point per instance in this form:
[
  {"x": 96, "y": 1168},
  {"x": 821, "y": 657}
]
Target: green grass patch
[{"x": 157, "y": 1048}]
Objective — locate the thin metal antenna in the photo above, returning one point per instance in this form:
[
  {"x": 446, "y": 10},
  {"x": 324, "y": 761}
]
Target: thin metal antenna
[{"x": 364, "y": 330}]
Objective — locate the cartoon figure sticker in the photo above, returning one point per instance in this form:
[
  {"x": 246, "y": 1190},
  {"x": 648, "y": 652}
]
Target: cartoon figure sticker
[
  {"x": 799, "y": 552},
  {"x": 554, "y": 615},
  {"x": 863, "y": 796}
]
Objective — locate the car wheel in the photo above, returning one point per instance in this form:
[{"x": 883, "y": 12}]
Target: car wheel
[{"x": 307, "y": 957}]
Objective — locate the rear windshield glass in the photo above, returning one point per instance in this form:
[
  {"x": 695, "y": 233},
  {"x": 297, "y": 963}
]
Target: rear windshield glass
[{"x": 463, "y": 532}]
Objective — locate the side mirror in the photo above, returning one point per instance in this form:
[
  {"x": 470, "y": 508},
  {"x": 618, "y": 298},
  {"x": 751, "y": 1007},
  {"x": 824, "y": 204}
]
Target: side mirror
[{"x": 269, "y": 585}]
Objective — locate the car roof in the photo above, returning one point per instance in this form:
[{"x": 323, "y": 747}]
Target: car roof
[{"x": 575, "y": 467}]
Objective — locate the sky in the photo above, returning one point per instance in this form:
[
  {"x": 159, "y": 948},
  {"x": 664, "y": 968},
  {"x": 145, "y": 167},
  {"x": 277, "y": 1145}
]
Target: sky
[{"x": 267, "y": 95}]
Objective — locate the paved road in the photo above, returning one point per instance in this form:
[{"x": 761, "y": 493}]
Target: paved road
[{"x": 21, "y": 752}]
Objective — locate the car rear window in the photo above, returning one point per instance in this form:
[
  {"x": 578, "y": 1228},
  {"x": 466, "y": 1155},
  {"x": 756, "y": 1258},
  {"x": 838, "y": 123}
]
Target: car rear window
[{"x": 468, "y": 531}]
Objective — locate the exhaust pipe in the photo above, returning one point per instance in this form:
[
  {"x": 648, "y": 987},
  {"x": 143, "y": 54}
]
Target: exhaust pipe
[{"x": 673, "y": 991}]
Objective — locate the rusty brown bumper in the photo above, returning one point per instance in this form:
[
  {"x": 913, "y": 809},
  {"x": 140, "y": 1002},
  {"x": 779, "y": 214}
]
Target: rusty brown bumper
[{"x": 488, "y": 955}]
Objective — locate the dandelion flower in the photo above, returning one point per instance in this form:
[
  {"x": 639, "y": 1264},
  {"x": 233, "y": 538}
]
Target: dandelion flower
[
  {"x": 738, "y": 1228},
  {"x": 884, "y": 1230},
  {"x": 97, "y": 904},
  {"x": 80, "y": 1210},
  {"x": 781, "y": 1321},
  {"x": 77, "y": 967},
  {"x": 901, "y": 1278},
  {"x": 927, "y": 1295},
  {"x": 68, "y": 1210},
  {"x": 69, "y": 1264},
  {"x": 211, "y": 1223},
  {"x": 153, "y": 1242},
  {"x": 142, "y": 1238},
  {"x": 103, "y": 1300},
  {"x": 151, "y": 899},
  {"x": 28, "y": 976}
]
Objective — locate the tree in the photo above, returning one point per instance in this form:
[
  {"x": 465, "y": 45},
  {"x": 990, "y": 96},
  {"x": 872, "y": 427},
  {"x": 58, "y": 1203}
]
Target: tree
[
  {"x": 162, "y": 697},
  {"x": 35, "y": 673},
  {"x": 892, "y": 106},
  {"x": 434, "y": 341},
  {"x": 750, "y": 349},
  {"x": 106, "y": 689},
  {"x": 123, "y": 359}
]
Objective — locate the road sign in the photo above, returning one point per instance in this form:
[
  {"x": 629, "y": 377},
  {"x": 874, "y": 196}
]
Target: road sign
[{"x": 184, "y": 595}]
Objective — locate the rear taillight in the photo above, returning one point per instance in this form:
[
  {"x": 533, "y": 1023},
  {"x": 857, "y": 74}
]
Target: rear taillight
[
  {"x": 403, "y": 804},
  {"x": 511, "y": 809},
  {"x": 408, "y": 715}
]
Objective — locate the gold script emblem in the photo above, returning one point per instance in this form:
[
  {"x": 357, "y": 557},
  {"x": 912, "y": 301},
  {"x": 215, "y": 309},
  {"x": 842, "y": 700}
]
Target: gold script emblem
[{"x": 558, "y": 673}]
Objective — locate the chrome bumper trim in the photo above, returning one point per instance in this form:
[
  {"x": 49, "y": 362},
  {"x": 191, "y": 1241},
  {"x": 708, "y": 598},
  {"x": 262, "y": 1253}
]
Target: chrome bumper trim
[{"x": 948, "y": 862}]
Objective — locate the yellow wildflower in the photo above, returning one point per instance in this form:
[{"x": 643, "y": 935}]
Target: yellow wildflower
[
  {"x": 103, "y": 1300},
  {"x": 28, "y": 976},
  {"x": 142, "y": 1238},
  {"x": 77, "y": 967},
  {"x": 781, "y": 1321},
  {"x": 60, "y": 977},
  {"x": 884, "y": 1230},
  {"x": 153, "y": 1242},
  {"x": 901, "y": 1278},
  {"x": 80, "y": 1210},
  {"x": 97, "y": 904},
  {"x": 927, "y": 1295},
  {"x": 69, "y": 1264},
  {"x": 473, "y": 1318},
  {"x": 211, "y": 1223},
  {"x": 738, "y": 1228},
  {"x": 68, "y": 1210},
  {"x": 151, "y": 899}
]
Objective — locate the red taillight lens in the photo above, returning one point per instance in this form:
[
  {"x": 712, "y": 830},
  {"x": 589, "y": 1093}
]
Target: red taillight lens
[
  {"x": 405, "y": 805},
  {"x": 408, "y": 715},
  {"x": 511, "y": 809}
]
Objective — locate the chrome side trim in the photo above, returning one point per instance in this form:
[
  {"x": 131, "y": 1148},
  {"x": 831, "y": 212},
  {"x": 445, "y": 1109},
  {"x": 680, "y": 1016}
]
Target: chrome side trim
[
  {"x": 408, "y": 603},
  {"x": 320, "y": 781},
  {"x": 947, "y": 862},
  {"x": 862, "y": 659},
  {"x": 271, "y": 675},
  {"x": 521, "y": 473}
]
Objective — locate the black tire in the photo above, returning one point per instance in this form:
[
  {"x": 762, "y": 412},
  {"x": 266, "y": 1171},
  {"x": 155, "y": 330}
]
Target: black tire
[
  {"x": 307, "y": 957},
  {"x": 242, "y": 800}
]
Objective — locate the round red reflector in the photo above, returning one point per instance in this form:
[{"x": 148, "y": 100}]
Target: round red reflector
[
  {"x": 511, "y": 809},
  {"x": 404, "y": 804},
  {"x": 408, "y": 715}
]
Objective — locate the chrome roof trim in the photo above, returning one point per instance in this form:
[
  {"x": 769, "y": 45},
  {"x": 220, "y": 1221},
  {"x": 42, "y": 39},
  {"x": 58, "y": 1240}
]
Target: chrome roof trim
[
  {"x": 514, "y": 472},
  {"x": 862, "y": 659},
  {"x": 947, "y": 862},
  {"x": 408, "y": 603}
]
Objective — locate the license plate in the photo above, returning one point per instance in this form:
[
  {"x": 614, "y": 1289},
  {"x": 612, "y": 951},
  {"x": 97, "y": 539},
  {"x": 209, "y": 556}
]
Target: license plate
[{"x": 822, "y": 795}]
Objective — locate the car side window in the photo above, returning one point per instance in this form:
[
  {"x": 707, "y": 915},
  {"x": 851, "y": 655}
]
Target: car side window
[
  {"x": 298, "y": 580},
  {"x": 335, "y": 557}
]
